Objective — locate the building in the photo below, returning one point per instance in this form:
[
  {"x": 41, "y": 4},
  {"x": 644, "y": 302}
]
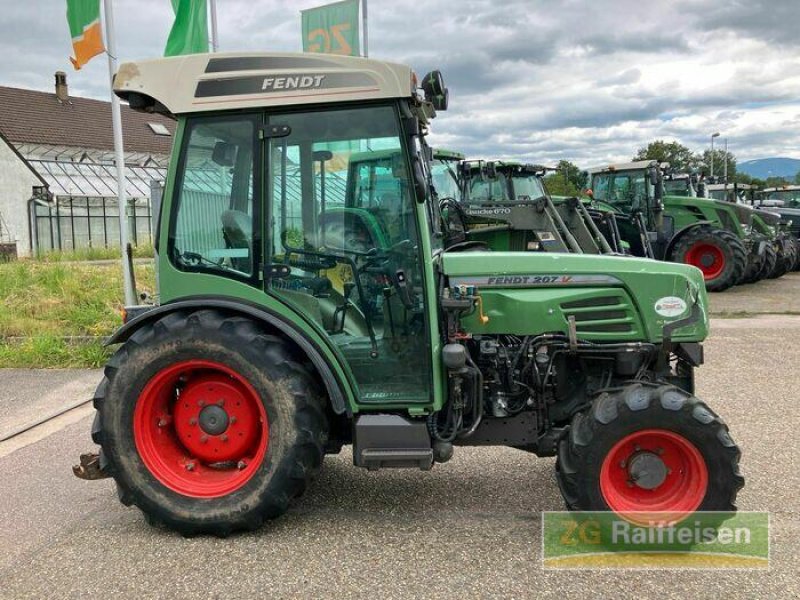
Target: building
[{"x": 57, "y": 174}]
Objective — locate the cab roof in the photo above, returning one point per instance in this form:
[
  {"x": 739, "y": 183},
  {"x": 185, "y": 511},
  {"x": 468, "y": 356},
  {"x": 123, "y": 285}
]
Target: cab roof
[
  {"x": 631, "y": 166},
  {"x": 226, "y": 81}
]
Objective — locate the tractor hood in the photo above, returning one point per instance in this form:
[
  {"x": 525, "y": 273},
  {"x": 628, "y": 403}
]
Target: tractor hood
[{"x": 612, "y": 299}]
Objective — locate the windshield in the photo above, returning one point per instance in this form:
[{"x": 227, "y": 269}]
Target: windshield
[
  {"x": 677, "y": 187},
  {"x": 528, "y": 187},
  {"x": 790, "y": 198},
  {"x": 621, "y": 189},
  {"x": 444, "y": 179},
  {"x": 489, "y": 189}
]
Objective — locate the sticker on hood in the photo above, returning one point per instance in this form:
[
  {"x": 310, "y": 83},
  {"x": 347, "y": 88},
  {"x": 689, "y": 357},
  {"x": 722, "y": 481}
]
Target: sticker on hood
[{"x": 670, "y": 306}]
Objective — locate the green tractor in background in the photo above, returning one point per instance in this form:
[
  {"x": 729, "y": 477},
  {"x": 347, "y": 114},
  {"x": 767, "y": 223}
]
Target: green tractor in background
[
  {"x": 711, "y": 235},
  {"x": 784, "y": 201},
  {"x": 315, "y": 297},
  {"x": 507, "y": 206},
  {"x": 768, "y": 224}
]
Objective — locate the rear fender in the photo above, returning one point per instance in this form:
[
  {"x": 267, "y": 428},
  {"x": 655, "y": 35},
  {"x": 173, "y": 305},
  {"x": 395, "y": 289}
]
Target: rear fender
[{"x": 333, "y": 385}]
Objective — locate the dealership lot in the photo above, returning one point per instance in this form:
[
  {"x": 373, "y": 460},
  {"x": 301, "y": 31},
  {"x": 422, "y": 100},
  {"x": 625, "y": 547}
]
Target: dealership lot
[{"x": 469, "y": 528}]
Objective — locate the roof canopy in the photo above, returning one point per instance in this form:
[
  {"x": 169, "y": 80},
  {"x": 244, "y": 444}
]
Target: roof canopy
[
  {"x": 95, "y": 180},
  {"x": 204, "y": 82}
]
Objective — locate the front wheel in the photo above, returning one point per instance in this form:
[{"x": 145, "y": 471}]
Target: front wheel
[
  {"x": 209, "y": 424},
  {"x": 649, "y": 449},
  {"x": 719, "y": 254}
]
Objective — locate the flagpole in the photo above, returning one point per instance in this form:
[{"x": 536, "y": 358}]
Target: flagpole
[
  {"x": 214, "y": 38},
  {"x": 119, "y": 155},
  {"x": 364, "y": 27}
]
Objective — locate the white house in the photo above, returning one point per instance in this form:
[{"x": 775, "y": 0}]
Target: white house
[{"x": 57, "y": 175}]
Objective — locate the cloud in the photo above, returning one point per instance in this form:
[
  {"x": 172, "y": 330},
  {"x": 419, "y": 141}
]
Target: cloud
[{"x": 540, "y": 81}]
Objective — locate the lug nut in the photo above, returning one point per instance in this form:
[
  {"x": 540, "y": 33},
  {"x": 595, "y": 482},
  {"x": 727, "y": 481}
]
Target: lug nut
[
  {"x": 162, "y": 422},
  {"x": 659, "y": 451},
  {"x": 241, "y": 464},
  {"x": 622, "y": 464},
  {"x": 190, "y": 466},
  {"x": 201, "y": 403},
  {"x": 232, "y": 420},
  {"x": 192, "y": 421},
  {"x": 220, "y": 402},
  {"x": 203, "y": 439},
  {"x": 224, "y": 437}
]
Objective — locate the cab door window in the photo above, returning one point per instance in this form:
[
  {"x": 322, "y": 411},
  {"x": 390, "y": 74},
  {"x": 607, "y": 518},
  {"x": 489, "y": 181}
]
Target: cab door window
[{"x": 344, "y": 239}]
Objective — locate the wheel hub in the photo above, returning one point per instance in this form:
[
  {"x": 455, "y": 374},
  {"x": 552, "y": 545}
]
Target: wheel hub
[
  {"x": 647, "y": 470},
  {"x": 214, "y": 420},
  {"x": 707, "y": 260}
]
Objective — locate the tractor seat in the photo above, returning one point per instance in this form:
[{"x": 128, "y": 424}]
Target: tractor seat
[{"x": 237, "y": 227}]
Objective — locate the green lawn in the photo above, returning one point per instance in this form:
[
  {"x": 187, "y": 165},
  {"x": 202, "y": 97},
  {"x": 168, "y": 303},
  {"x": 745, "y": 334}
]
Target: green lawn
[{"x": 43, "y": 301}]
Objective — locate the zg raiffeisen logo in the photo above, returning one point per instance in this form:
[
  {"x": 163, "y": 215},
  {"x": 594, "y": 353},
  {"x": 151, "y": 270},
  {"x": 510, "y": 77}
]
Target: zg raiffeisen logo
[{"x": 704, "y": 540}]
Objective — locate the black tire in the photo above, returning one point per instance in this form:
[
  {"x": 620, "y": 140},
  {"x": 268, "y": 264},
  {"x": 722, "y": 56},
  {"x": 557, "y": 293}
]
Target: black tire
[
  {"x": 770, "y": 260},
  {"x": 731, "y": 247},
  {"x": 293, "y": 402},
  {"x": 617, "y": 413},
  {"x": 786, "y": 258},
  {"x": 755, "y": 263}
]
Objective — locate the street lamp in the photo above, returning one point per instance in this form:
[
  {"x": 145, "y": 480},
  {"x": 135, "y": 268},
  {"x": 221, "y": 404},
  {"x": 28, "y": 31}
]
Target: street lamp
[{"x": 713, "y": 135}]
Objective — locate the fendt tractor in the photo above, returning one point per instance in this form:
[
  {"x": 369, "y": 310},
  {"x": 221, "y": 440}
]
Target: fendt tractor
[
  {"x": 506, "y": 205},
  {"x": 708, "y": 234},
  {"x": 769, "y": 223},
  {"x": 220, "y": 403}
]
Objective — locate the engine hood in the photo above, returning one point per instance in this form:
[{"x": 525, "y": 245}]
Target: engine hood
[{"x": 528, "y": 292}]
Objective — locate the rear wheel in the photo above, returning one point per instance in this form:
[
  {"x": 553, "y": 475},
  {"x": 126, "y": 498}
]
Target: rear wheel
[
  {"x": 719, "y": 254},
  {"x": 208, "y": 424},
  {"x": 647, "y": 449}
]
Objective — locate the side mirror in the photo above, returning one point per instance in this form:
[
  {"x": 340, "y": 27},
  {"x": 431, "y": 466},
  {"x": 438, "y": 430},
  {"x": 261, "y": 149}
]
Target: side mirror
[
  {"x": 653, "y": 174},
  {"x": 224, "y": 154},
  {"x": 435, "y": 91}
]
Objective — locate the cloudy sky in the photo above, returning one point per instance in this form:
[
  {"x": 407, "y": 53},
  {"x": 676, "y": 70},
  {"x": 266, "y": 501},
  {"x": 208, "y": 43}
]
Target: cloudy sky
[{"x": 589, "y": 81}]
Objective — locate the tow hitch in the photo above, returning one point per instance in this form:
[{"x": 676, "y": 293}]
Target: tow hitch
[{"x": 89, "y": 468}]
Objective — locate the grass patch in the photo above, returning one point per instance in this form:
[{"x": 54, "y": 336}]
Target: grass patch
[
  {"x": 42, "y": 302},
  {"x": 85, "y": 254}
]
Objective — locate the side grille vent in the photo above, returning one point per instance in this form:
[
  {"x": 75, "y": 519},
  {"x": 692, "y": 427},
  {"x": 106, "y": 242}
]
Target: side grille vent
[{"x": 602, "y": 314}]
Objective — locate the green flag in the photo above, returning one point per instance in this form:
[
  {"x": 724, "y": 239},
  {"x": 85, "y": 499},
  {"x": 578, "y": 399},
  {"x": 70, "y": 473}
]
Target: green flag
[
  {"x": 332, "y": 29},
  {"x": 189, "y": 33}
]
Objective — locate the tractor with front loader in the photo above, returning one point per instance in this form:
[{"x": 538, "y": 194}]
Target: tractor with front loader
[
  {"x": 506, "y": 205},
  {"x": 711, "y": 235},
  {"x": 289, "y": 326}
]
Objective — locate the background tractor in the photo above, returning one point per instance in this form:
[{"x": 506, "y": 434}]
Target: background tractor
[
  {"x": 220, "y": 403},
  {"x": 708, "y": 234},
  {"x": 768, "y": 224},
  {"x": 507, "y": 206}
]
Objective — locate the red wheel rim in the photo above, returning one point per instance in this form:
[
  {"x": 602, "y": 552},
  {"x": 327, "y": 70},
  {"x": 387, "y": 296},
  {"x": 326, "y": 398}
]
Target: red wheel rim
[
  {"x": 708, "y": 258},
  {"x": 654, "y": 471},
  {"x": 200, "y": 429}
]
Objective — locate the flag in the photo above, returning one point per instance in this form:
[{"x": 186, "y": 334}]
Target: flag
[
  {"x": 189, "y": 33},
  {"x": 83, "y": 17},
  {"x": 332, "y": 28}
]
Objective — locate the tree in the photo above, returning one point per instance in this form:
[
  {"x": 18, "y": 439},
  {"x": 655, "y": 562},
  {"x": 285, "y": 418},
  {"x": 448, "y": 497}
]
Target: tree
[
  {"x": 797, "y": 178},
  {"x": 679, "y": 157},
  {"x": 569, "y": 180},
  {"x": 720, "y": 156}
]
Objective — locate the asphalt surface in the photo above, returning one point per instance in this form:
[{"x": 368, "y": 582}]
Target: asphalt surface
[{"x": 470, "y": 528}]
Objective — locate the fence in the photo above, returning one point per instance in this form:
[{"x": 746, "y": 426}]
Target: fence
[{"x": 74, "y": 223}]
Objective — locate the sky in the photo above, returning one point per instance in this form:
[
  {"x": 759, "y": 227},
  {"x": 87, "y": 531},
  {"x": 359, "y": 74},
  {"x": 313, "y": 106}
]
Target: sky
[{"x": 587, "y": 81}]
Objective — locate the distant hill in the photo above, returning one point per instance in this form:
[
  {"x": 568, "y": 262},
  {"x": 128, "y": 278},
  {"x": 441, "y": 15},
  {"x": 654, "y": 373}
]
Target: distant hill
[{"x": 770, "y": 167}]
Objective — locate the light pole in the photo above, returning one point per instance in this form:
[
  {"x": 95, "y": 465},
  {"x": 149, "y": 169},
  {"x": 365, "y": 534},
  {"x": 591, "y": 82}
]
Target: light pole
[
  {"x": 713, "y": 135},
  {"x": 725, "y": 165}
]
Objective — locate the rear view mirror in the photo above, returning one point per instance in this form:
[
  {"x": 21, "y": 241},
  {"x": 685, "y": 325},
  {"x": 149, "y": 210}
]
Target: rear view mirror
[
  {"x": 653, "y": 175},
  {"x": 224, "y": 154},
  {"x": 435, "y": 91},
  {"x": 322, "y": 155}
]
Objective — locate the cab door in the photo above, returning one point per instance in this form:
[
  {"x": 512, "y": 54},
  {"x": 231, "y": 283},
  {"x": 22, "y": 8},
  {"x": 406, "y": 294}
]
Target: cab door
[{"x": 352, "y": 269}]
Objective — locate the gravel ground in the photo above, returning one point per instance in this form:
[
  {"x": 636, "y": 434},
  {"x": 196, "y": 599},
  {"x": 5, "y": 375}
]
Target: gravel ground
[{"x": 470, "y": 528}]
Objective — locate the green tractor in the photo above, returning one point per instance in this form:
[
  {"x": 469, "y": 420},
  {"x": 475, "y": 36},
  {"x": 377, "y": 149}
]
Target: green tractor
[
  {"x": 507, "y": 206},
  {"x": 289, "y": 326},
  {"x": 666, "y": 220},
  {"x": 784, "y": 201},
  {"x": 767, "y": 224}
]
